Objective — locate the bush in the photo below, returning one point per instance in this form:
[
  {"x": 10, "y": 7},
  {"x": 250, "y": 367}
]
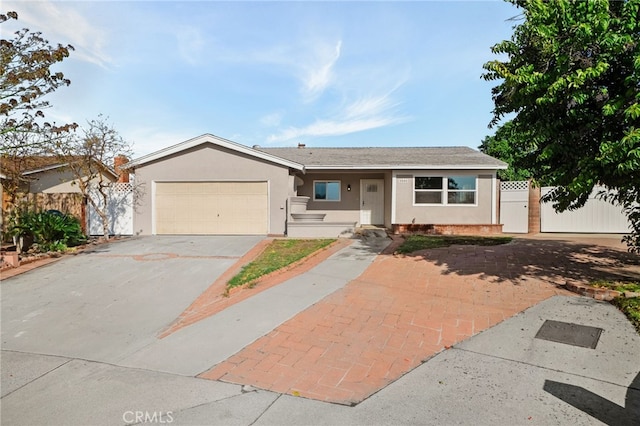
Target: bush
[
  {"x": 51, "y": 231},
  {"x": 631, "y": 308}
]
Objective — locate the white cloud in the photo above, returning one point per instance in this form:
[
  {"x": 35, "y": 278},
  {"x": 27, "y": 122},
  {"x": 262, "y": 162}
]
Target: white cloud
[
  {"x": 271, "y": 120},
  {"x": 363, "y": 114},
  {"x": 310, "y": 62},
  {"x": 61, "y": 23},
  {"x": 369, "y": 106},
  {"x": 191, "y": 44},
  {"x": 318, "y": 70},
  {"x": 334, "y": 128}
]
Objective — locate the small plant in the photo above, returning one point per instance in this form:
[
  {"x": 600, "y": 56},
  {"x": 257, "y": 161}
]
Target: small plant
[
  {"x": 621, "y": 286},
  {"x": 631, "y": 308},
  {"x": 50, "y": 230}
]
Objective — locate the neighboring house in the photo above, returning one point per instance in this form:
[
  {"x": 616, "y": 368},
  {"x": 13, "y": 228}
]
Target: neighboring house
[
  {"x": 45, "y": 174},
  {"x": 209, "y": 185},
  {"x": 44, "y": 182}
]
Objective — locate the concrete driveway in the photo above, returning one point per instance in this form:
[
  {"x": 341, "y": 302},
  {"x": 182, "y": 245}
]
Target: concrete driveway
[
  {"x": 111, "y": 302},
  {"x": 80, "y": 339}
]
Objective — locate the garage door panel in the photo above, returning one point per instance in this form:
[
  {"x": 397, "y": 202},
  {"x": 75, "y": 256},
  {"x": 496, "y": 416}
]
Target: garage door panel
[{"x": 211, "y": 208}]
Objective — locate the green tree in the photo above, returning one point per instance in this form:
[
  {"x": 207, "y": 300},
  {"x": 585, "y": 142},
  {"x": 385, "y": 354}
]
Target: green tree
[
  {"x": 89, "y": 153},
  {"x": 572, "y": 78},
  {"x": 511, "y": 147},
  {"x": 25, "y": 79}
]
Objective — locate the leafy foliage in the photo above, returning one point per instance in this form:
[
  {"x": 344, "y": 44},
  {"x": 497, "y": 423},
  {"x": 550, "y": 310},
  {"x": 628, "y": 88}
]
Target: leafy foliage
[
  {"x": 25, "y": 78},
  {"x": 50, "y": 230},
  {"x": 511, "y": 147},
  {"x": 572, "y": 77},
  {"x": 631, "y": 308}
]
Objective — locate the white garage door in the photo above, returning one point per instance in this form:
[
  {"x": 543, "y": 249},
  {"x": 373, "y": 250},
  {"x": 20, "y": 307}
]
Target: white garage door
[{"x": 211, "y": 208}]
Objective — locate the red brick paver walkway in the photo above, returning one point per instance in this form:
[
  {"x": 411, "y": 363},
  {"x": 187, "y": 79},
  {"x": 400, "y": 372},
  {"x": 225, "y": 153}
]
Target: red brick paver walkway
[{"x": 402, "y": 311}]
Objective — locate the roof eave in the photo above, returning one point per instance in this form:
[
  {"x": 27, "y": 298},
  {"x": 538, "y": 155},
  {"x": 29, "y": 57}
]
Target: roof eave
[
  {"x": 44, "y": 169},
  {"x": 407, "y": 167},
  {"x": 57, "y": 166},
  {"x": 209, "y": 138}
]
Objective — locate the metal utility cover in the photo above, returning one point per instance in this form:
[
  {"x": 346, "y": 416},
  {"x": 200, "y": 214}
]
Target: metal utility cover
[{"x": 569, "y": 334}]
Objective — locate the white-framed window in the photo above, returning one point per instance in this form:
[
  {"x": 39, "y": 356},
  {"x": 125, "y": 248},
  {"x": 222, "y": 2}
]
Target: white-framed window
[
  {"x": 428, "y": 190},
  {"x": 445, "y": 190},
  {"x": 326, "y": 190}
]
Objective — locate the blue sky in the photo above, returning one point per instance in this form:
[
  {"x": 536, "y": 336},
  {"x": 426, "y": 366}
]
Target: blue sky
[{"x": 275, "y": 73}]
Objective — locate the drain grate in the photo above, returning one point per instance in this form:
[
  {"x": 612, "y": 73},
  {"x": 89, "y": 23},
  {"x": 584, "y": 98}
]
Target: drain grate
[{"x": 569, "y": 334}]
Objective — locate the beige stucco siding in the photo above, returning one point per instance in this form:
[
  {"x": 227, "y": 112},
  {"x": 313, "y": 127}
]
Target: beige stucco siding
[
  {"x": 407, "y": 212},
  {"x": 56, "y": 181},
  {"x": 211, "y": 163}
]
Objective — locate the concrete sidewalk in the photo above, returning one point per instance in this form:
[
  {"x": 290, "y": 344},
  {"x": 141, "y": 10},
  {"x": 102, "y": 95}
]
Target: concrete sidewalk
[{"x": 504, "y": 376}]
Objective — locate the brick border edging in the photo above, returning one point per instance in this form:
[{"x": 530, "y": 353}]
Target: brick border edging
[
  {"x": 30, "y": 263},
  {"x": 448, "y": 229},
  {"x": 597, "y": 293},
  {"x": 200, "y": 309}
]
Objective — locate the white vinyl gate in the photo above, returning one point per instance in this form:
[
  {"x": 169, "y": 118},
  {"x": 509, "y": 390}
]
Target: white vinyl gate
[
  {"x": 596, "y": 216},
  {"x": 514, "y": 206},
  {"x": 119, "y": 211}
]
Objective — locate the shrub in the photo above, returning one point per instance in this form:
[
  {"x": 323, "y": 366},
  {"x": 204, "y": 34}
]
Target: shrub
[{"x": 51, "y": 231}]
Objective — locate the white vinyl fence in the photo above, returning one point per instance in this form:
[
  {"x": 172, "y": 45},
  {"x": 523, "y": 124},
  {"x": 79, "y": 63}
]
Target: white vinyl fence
[
  {"x": 596, "y": 216},
  {"x": 119, "y": 211},
  {"x": 514, "y": 206}
]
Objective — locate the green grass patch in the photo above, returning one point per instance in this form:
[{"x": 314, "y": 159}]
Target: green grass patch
[
  {"x": 277, "y": 255},
  {"x": 631, "y": 308},
  {"x": 422, "y": 242},
  {"x": 620, "y": 286}
]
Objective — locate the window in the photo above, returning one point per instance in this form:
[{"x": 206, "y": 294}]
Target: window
[
  {"x": 445, "y": 190},
  {"x": 326, "y": 190},
  {"x": 461, "y": 190},
  {"x": 428, "y": 190}
]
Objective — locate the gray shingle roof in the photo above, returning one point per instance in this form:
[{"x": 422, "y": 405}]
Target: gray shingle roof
[{"x": 386, "y": 158}]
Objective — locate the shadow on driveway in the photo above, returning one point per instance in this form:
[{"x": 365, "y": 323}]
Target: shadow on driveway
[{"x": 555, "y": 261}]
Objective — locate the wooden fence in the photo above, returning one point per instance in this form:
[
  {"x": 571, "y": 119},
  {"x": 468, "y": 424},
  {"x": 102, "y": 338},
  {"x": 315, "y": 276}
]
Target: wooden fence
[{"x": 69, "y": 203}]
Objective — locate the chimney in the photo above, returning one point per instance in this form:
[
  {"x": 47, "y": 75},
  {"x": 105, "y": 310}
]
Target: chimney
[
  {"x": 301, "y": 145},
  {"x": 123, "y": 175}
]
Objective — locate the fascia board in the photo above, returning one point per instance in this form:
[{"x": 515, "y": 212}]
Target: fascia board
[
  {"x": 57, "y": 166},
  {"x": 44, "y": 169},
  {"x": 409, "y": 167},
  {"x": 208, "y": 138}
]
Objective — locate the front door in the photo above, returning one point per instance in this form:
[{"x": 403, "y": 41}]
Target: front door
[{"x": 372, "y": 202}]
